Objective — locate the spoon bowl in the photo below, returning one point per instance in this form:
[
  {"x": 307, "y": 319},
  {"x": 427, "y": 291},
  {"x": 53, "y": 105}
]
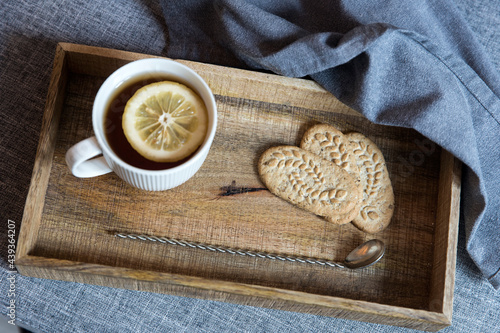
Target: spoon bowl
[{"x": 365, "y": 254}]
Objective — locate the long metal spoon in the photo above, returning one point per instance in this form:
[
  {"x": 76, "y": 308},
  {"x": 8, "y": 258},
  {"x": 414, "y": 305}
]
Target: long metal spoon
[{"x": 364, "y": 255}]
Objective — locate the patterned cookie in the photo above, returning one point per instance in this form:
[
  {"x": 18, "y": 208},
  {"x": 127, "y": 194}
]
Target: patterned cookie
[
  {"x": 378, "y": 196},
  {"x": 308, "y": 181},
  {"x": 331, "y": 144}
]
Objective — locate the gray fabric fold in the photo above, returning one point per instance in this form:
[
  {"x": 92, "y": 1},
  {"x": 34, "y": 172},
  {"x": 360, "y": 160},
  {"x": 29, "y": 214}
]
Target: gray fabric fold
[{"x": 415, "y": 66}]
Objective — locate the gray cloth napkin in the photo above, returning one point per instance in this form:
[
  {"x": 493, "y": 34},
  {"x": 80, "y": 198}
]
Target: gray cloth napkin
[{"x": 411, "y": 64}]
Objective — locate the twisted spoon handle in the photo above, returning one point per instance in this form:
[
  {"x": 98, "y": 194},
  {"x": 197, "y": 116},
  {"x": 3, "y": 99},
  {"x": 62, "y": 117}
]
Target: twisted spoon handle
[{"x": 222, "y": 249}]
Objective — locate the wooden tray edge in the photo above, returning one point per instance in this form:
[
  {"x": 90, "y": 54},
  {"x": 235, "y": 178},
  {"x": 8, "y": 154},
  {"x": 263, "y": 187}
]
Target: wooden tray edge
[
  {"x": 232, "y": 292},
  {"x": 446, "y": 235},
  {"x": 79, "y": 56},
  {"x": 43, "y": 160}
]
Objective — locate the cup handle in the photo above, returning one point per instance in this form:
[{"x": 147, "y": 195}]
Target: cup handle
[{"x": 80, "y": 159}]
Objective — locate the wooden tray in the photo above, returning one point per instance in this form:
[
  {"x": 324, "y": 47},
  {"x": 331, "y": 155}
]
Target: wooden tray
[{"x": 69, "y": 224}]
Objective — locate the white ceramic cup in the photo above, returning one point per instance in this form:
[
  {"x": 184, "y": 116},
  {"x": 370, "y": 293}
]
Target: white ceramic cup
[{"x": 82, "y": 158}]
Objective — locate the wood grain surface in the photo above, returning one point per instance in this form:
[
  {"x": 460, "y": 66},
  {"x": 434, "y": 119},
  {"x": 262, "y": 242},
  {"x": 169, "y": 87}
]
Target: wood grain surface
[{"x": 69, "y": 223}]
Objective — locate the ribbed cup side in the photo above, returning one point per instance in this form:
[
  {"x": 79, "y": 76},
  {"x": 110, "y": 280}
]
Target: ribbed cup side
[{"x": 156, "y": 181}]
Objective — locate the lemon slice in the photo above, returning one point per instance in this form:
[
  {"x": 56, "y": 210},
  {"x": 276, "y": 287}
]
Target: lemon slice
[{"x": 165, "y": 121}]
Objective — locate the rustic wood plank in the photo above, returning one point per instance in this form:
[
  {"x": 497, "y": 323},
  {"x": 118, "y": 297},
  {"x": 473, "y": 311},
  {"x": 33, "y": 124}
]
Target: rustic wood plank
[
  {"x": 97, "y": 61},
  {"x": 102, "y": 62},
  {"x": 445, "y": 241},
  {"x": 238, "y": 293},
  {"x": 32, "y": 214}
]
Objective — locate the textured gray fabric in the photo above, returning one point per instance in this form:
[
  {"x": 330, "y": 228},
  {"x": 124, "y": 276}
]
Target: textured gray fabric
[{"x": 29, "y": 32}]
